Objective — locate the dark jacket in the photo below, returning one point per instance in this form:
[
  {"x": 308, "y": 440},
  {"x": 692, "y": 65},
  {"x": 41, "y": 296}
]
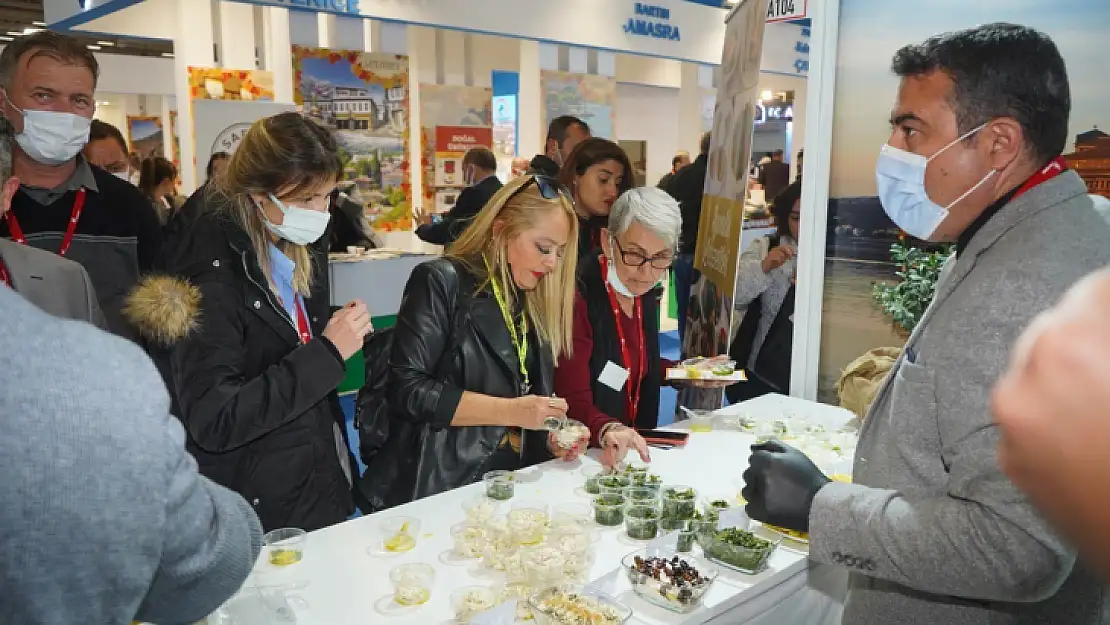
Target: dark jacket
[
  {"x": 346, "y": 227},
  {"x": 260, "y": 408},
  {"x": 775, "y": 177},
  {"x": 607, "y": 348},
  {"x": 589, "y": 236},
  {"x": 542, "y": 164},
  {"x": 688, "y": 186},
  {"x": 423, "y": 454},
  {"x": 470, "y": 203}
]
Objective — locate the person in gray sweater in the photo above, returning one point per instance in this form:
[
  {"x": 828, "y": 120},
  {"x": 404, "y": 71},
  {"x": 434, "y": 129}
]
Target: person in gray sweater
[
  {"x": 932, "y": 529},
  {"x": 104, "y": 517}
]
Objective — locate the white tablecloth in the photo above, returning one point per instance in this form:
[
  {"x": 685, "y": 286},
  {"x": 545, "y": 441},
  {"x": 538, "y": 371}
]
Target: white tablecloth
[{"x": 340, "y": 583}]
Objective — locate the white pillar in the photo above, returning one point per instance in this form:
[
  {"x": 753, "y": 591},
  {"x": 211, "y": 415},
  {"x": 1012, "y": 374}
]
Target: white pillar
[
  {"x": 277, "y": 51},
  {"x": 325, "y": 30},
  {"x": 193, "y": 46},
  {"x": 454, "y": 57},
  {"x": 371, "y": 35},
  {"x": 579, "y": 60},
  {"x": 166, "y": 106},
  {"x": 689, "y": 109},
  {"x": 421, "y": 50},
  {"x": 530, "y": 130},
  {"x": 236, "y": 35},
  {"x": 348, "y": 33},
  {"x": 304, "y": 29}
]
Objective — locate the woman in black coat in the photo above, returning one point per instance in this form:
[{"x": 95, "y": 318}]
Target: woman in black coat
[
  {"x": 252, "y": 358},
  {"x": 474, "y": 349}
]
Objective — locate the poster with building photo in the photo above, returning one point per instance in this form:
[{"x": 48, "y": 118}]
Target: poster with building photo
[
  {"x": 363, "y": 99},
  {"x": 858, "y": 249},
  {"x": 710, "y": 310},
  {"x": 589, "y": 97},
  {"x": 144, "y": 135}
]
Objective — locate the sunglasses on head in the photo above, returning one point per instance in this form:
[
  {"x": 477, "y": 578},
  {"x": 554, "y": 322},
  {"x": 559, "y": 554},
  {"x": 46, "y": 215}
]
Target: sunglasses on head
[{"x": 549, "y": 187}]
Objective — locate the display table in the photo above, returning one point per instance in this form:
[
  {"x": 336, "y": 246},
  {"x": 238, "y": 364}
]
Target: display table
[{"x": 339, "y": 582}]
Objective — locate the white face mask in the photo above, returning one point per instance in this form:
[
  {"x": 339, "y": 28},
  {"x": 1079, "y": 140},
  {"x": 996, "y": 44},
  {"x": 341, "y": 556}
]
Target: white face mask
[
  {"x": 900, "y": 176},
  {"x": 123, "y": 175},
  {"x": 300, "y": 226},
  {"x": 52, "y": 138},
  {"x": 612, "y": 277}
]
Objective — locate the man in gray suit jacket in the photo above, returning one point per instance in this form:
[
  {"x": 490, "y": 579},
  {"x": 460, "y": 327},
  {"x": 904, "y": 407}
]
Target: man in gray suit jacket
[
  {"x": 932, "y": 529},
  {"x": 60, "y": 287}
]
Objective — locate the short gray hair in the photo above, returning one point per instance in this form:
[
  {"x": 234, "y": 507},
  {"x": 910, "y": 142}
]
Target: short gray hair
[
  {"x": 653, "y": 209},
  {"x": 7, "y": 141}
]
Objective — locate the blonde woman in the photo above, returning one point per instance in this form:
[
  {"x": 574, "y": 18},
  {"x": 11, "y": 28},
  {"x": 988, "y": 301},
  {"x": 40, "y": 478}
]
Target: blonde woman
[
  {"x": 242, "y": 328},
  {"x": 472, "y": 362}
]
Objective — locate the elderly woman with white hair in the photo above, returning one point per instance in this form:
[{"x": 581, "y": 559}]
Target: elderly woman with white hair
[{"x": 611, "y": 381}]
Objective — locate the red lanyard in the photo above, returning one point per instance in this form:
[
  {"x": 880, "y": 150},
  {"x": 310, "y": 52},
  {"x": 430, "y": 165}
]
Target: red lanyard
[
  {"x": 302, "y": 321},
  {"x": 5, "y": 277},
  {"x": 1053, "y": 169},
  {"x": 633, "y": 397},
  {"x": 71, "y": 228}
]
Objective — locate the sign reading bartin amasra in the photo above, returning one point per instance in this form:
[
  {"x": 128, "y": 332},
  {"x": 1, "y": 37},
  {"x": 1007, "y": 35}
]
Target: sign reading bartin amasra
[{"x": 651, "y": 21}]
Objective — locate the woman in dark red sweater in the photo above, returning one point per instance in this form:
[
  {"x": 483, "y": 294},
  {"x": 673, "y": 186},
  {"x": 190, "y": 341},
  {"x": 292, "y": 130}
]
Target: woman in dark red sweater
[{"x": 611, "y": 382}]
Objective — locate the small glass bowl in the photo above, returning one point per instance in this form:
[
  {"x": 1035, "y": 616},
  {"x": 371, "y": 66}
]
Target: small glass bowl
[
  {"x": 398, "y": 534},
  {"x": 468, "y": 540},
  {"x": 614, "y": 483},
  {"x": 609, "y": 509},
  {"x": 479, "y": 510},
  {"x": 749, "y": 560},
  {"x": 578, "y": 514},
  {"x": 592, "y": 475},
  {"x": 570, "y": 539},
  {"x": 412, "y": 583},
  {"x": 285, "y": 546},
  {"x": 543, "y": 566},
  {"x": 642, "y": 496},
  {"x": 579, "y": 565},
  {"x": 469, "y": 601},
  {"x": 528, "y": 521},
  {"x": 500, "y": 485},
  {"x": 701, "y": 420},
  {"x": 641, "y": 522}
]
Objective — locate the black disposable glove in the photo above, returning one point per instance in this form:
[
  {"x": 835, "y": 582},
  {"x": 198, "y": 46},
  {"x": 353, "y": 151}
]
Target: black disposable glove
[{"x": 780, "y": 485}]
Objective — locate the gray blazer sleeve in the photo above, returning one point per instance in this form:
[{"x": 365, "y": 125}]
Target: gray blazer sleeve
[
  {"x": 211, "y": 541},
  {"x": 983, "y": 540},
  {"x": 96, "y": 315}
]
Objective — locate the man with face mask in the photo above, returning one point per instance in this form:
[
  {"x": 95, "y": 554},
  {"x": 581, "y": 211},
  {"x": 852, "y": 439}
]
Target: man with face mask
[
  {"x": 479, "y": 172},
  {"x": 932, "y": 530},
  {"x": 563, "y": 134},
  {"x": 64, "y": 205},
  {"x": 107, "y": 150},
  {"x": 56, "y": 285}
]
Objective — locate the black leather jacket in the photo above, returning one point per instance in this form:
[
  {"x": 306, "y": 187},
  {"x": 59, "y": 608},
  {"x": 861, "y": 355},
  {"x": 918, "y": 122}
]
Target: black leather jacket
[{"x": 423, "y": 454}]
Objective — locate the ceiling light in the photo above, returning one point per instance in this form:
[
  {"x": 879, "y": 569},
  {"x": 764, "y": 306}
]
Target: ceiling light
[
  {"x": 104, "y": 103},
  {"x": 105, "y": 43},
  {"x": 31, "y": 31},
  {"x": 5, "y": 38},
  {"x": 92, "y": 47},
  {"x": 15, "y": 34},
  {"x": 43, "y": 24}
]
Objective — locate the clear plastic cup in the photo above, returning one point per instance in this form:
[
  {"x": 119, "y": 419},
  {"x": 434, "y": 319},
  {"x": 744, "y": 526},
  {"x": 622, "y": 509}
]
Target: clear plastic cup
[
  {"x": 609, "y": 509},
  {"x": 528, "y": 521},
  {"x": 468, "y": 540},
  {"x": 479, "y": 510},
  {"x": 500, "y": 485},
  {"x": 398, "y": 534},
  {"x": 469, "y": 601},
  {"x": 570, "y": 514},
  {"x": 412, "y": 583},
  {"x": 285, "y": 546}
]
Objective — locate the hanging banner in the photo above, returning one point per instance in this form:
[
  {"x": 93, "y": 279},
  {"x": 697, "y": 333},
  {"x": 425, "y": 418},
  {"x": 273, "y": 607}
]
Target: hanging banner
[
  {"x": 363, "y": 98},
  {"x": 144, "y": 136},
  {"x": 591, "y": 98},
  {"x": 709, "y": 316}
]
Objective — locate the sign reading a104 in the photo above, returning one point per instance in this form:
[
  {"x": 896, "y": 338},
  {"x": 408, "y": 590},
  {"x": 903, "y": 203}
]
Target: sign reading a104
[{"x": 783, "y": 10}]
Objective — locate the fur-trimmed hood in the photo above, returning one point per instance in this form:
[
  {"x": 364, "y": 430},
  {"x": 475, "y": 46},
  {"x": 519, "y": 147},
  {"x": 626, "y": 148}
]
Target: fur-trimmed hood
[{"x": 165, "y": 309}]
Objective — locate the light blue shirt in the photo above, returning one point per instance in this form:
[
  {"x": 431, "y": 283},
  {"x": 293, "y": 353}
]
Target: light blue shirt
[{"x": 281, "y": 272}]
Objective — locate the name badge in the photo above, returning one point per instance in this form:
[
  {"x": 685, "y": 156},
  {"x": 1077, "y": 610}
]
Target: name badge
[{"x": 613, "y": 375}]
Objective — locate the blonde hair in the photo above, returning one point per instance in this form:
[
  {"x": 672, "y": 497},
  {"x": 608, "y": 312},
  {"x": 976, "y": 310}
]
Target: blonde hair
[
  {"x": 287, "y": 153},
  {"x": 550, "y": 306}
]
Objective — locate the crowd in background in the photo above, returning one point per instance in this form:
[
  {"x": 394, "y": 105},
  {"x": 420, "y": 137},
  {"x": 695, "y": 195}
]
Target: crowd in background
[{"x": 141, "y": 473}]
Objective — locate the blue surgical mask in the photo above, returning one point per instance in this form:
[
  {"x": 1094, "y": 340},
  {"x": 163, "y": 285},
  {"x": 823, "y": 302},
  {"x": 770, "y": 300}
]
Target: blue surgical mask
[
  {"x": 299, "y": 226},
  {"x": 901, "y": 182}
]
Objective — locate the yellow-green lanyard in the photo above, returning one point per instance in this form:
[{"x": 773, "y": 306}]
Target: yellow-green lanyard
[{"x": 520, "y": 341}]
